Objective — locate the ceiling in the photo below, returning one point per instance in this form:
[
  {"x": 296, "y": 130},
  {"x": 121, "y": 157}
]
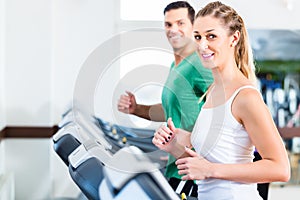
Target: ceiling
[{"x": 275, "y": 44}]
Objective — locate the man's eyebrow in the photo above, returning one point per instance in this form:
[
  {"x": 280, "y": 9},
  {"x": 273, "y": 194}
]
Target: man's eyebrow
[{"x": 181, "y": 19}]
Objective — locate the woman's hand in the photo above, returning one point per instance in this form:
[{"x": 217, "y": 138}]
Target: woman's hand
[
  {"x": 164, "y": 137},
  {"x": 171, "y": 139},
  {"x": 194, "y": 167}
]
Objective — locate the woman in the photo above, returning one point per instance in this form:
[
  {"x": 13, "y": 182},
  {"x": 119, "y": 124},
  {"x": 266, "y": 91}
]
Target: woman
[{"x": 232, "y": 121}]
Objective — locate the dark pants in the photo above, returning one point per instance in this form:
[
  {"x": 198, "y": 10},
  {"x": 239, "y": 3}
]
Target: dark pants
[{"x": 263, "y": 188}]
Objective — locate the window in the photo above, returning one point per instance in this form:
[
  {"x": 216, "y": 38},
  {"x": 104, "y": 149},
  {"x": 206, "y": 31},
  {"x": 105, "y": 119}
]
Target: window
[
  {"x": 147, "y": 10},
  {"x": 148, "y": 14}
]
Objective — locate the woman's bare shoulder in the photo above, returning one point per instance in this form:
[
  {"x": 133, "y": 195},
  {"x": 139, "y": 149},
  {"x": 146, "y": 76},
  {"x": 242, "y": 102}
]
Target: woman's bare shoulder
[{"x": 249, "y": 98}]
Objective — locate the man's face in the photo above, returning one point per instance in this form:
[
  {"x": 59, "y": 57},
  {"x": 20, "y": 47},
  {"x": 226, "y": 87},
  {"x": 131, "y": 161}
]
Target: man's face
[{"x": 178, "y": 27}]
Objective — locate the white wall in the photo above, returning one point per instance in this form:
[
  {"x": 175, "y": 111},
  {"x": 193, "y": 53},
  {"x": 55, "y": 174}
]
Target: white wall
[
  {"x": 28, "y": 160},
  {"x": 45, "y": 45},
  {"x": 2, "y": 57},
  {"x": 79, "y": 27},
  {"x": 27, "y": 62}
]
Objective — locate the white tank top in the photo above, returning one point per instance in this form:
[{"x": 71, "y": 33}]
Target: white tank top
[{"x": 220, "y": 138}]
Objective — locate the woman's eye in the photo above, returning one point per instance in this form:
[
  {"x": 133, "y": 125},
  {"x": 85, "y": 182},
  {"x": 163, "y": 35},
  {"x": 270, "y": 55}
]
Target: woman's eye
[
  {"x": 197, "y": 37},
  {"x": 211, "y": 36}
]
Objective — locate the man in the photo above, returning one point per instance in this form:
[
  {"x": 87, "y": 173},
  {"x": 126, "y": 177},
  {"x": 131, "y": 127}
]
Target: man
[{"x": 187, "y": 81}]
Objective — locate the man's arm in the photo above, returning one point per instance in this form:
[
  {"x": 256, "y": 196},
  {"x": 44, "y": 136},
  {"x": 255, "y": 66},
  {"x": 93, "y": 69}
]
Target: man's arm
[
  {"x": 151, "y": 112},
  {"x": 127, "y": 104}
]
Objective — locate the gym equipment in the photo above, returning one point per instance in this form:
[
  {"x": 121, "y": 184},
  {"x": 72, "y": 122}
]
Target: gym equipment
[
  {"x": 65, "y": 141},
  {"x": 129, "y": 174},
  {"x": 86, "y": 165}
]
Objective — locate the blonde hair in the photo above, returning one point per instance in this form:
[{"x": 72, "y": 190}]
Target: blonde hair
[{"x": 234, "y": 22}]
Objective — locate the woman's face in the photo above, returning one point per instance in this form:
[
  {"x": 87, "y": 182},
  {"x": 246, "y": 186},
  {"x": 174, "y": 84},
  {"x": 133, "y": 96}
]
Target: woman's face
[{"x": 214, "y": 45}]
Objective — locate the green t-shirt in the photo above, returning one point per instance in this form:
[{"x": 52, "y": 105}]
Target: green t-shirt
[{"x": 185, "y": 84}]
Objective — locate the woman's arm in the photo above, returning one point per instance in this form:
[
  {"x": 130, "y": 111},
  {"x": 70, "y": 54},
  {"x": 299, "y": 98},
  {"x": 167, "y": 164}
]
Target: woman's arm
[{"x": 251, "y": 111}]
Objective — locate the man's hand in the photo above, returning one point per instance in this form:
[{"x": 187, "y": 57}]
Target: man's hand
[{"x": 127, "y": 103}]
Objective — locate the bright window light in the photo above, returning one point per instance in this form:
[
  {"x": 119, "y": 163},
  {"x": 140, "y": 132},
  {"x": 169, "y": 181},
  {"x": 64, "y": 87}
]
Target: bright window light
[
  {"x": 148, "y": 92},
  {"x": 144, "y": 57},
  {"x": 147, "y": 10}
]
